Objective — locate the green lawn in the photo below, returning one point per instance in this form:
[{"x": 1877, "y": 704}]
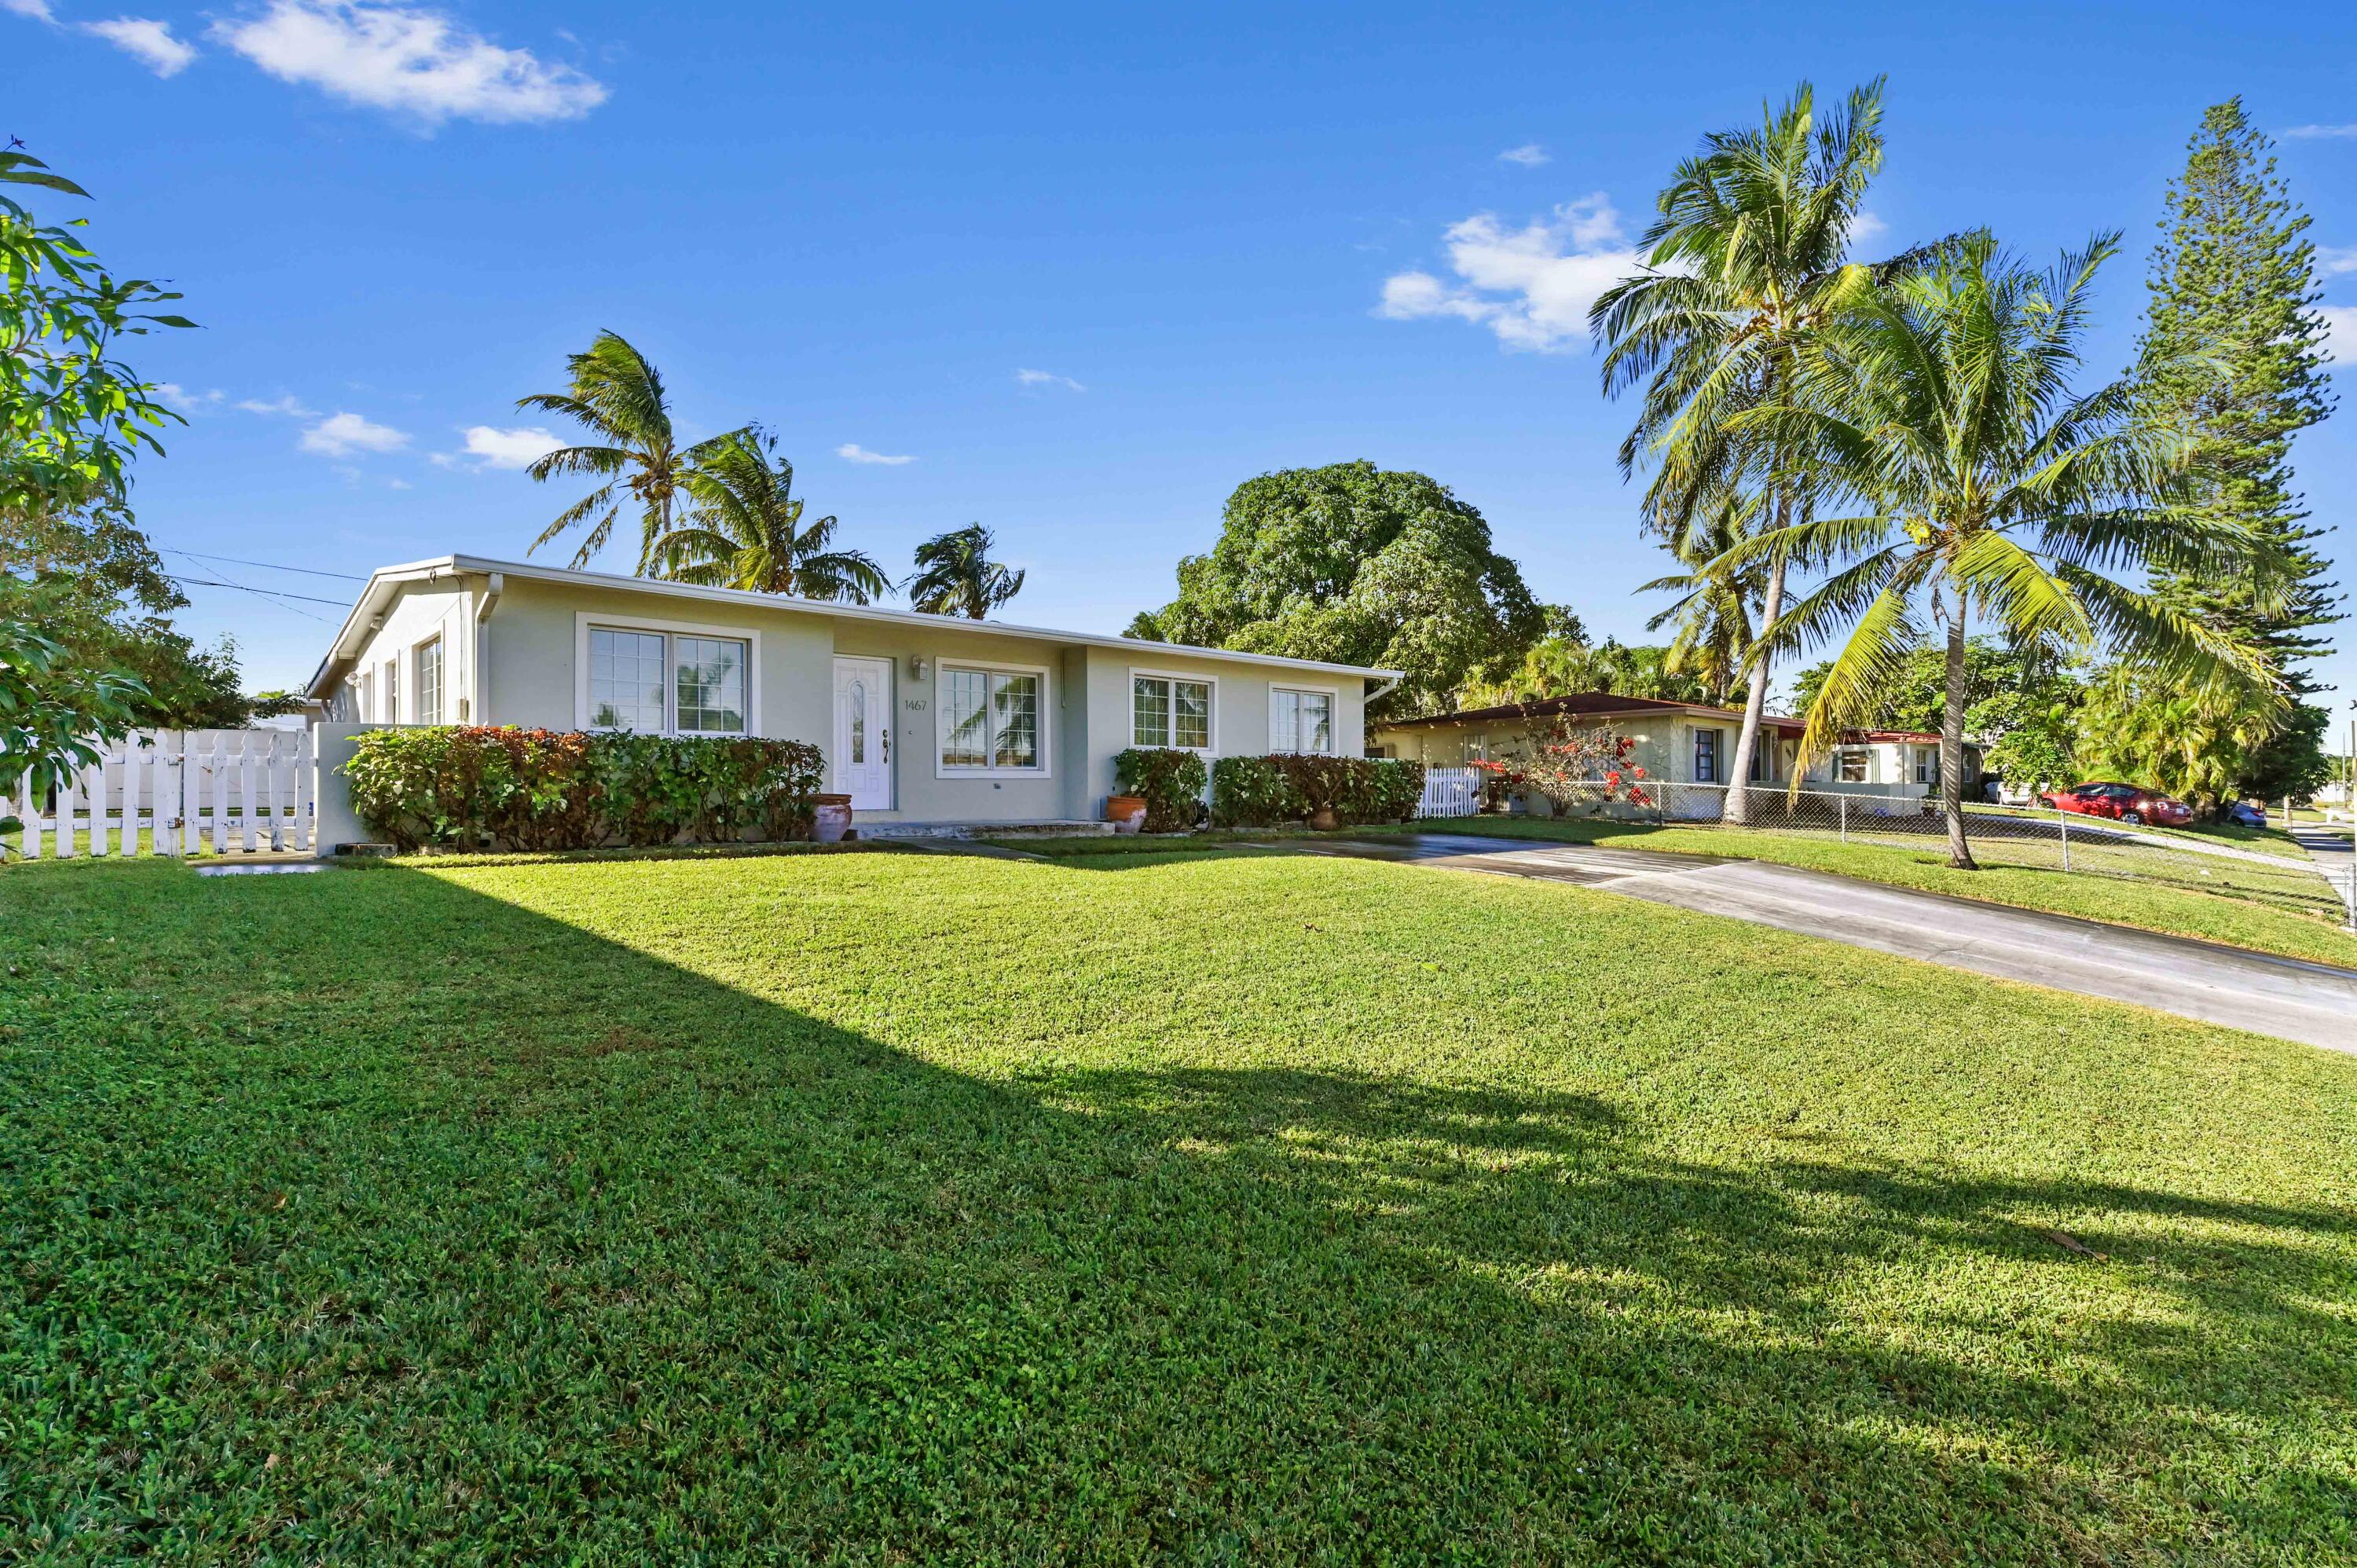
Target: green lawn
[{"x": 895, "y": 1208}]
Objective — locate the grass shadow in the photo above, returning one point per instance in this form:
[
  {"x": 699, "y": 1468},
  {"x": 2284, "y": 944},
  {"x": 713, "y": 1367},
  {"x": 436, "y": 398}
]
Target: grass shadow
[{"x": 358, "y": 1214}]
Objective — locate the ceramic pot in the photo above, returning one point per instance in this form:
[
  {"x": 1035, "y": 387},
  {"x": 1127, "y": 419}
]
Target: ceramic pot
[
  {"x": 1126, "y": 813},
  {"x": 829, "y": 818}
]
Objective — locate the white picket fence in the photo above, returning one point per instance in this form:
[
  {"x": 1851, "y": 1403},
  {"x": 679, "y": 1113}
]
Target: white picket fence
[
  {"x": 178, "y": 792},
  {"x": 1450, "y": 792}
]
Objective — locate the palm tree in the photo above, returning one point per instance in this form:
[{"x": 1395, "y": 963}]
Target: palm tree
[
  {"x": 744, "y": 529},
  {"x": 1713, "y": 613},
  {"x": 1942, "y": 399},
  {"x": 1746, "y": 251},
  {"x": 619, "y": 397},
  {"x": 955, "y": 574}
]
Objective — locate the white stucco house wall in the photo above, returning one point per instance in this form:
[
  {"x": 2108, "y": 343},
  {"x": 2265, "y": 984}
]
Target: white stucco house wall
[{"x": 922, "y": 718}]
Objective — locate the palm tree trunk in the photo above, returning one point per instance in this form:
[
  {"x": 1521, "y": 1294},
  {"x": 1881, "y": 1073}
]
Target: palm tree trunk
[
  {"x": 1952, "y": 744},
  {"x": 1754, "y": 699}
]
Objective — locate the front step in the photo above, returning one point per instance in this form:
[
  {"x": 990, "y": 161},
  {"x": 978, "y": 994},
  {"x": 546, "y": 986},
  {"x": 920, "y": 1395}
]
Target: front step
[{"x": 884, "y": 832}]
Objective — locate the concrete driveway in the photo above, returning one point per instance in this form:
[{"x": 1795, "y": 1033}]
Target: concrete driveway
[{"x": 2311, "y": 1003}]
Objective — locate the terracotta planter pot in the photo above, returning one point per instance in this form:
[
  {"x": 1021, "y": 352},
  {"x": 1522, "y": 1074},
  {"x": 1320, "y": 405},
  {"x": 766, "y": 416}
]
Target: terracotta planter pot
[
  {"x": 1324, "y": 820},
  {"x": 1126, "y": 813},
  {"x": 829, "y": 818}
]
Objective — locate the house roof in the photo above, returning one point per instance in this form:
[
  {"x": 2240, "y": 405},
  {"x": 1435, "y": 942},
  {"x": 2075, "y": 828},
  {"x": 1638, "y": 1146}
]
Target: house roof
[
  {"x": 386, "y": 581},
  {"x": 1585, "y": 705}
]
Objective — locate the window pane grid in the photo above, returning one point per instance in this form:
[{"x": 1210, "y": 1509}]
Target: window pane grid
[
  {"x": 429, "y": 682},
  {"x": 626, "y": 680},
  {"x": 990, "y": 719},
  {"x": 1150, "y": 712},
  {"x": 1191, "y": 708},
  {"x": 966, "y": 697},
  {"x": 1015, "y": 700},
  {"x": 710, "y": 675}
]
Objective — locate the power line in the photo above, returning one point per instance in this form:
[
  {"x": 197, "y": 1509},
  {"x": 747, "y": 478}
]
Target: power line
[
  {"x": 267, "y": 593},
  {"x": 268, "y": 566}
]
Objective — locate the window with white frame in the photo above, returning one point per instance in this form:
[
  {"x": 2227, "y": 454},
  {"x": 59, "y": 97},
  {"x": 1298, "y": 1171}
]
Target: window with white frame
[
  {"x": 1849, "y": 765},
  {"x": 429, "y": 682},
  {"x": 1300, "y": 720},
  {"x": 392, "y": 691},
  {"x": 1170, "y": 711},
  {"x": 1927, "y": 764},
  {"x": 990, "y": 719},
  {"x": 659, "y": 682}
]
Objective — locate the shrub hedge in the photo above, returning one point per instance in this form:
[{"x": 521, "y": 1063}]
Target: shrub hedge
[
  {"x": 1169, "y": 781},
  {"x": 1261, "y": 791},
  {"x": 472, "y": 787}
]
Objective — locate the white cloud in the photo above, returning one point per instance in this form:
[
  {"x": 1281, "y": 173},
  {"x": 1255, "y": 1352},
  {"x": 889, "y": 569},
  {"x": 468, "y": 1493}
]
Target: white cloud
[
  {"x": 2334, "y": 260},
  {"x": 1866, "y": 227},
  {"x": 499, "y": 448},
  {"x": 31, "y": 10},
  {"x": 854, "y": 451},
  {"x": 1530, "y": 154},
  {"x": 1531, "y": 287},
  {"x": 1047, "y": 378},
  {"x": 282, "y": 405},
  {"x": 149, "y": 42},
  {"x": 340, "y": 435},
  {"x": 2310, "y": 133},
  {"x": 2340, "y": 334},
  {"x": 413, "y": 61},
  {"x": 173, "y": 395}
]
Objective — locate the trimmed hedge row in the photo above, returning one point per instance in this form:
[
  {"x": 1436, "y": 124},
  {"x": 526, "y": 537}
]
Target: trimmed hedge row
[
  {"x": 469, "y": 787},
  {"x": 1263, "y": 792}
]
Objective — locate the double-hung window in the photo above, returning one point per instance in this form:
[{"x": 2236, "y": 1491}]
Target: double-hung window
[
  {"x": 429, "y": 682},
  {"x": 990, "y": 719},
  {"x": 1927, "y": 764},
  {"x": 1170, "y": 710},
  {"x": 1301, "y": 721},
  {"x": 392, "y": 691},
  {"x": 663, "y": 682}
]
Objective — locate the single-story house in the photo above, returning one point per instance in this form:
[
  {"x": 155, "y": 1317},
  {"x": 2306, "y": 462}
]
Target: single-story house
[
  {"x": 922, "y": 718},
  {"x": 1677, "y": 743}
]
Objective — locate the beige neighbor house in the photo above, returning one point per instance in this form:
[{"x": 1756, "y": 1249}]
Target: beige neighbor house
[
  {"x": 1676, "y": 743},
  {"x": 922, "y": 718}
]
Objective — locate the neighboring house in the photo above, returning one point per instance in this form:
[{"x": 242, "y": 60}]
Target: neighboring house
[
  {"x": 1890, "y": 762},
  {"x": 1678, "y": 743},
  {"x": 1681, "y": 743},
  {"x": 922, "y": 718}
]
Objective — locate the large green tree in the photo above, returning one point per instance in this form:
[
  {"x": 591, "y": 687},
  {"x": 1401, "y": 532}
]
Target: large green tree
[
  {"x": 1747, "y": 251},
  {"x": 744, "y": 529},
  {"x": 1359, "y": 566},
  {"x": 616, "y": 393},
  {"x": 2232, "y": 357},
  {"x": 1943, "y": 398}
]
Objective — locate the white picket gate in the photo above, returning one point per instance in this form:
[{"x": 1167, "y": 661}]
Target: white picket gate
[
  {"x": 179, "y": 792},
  {"x": 1450, "y": 792}
]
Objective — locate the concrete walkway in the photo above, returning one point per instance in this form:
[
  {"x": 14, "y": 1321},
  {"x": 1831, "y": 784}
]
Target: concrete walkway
[{"x": 2311, "y": 1003}]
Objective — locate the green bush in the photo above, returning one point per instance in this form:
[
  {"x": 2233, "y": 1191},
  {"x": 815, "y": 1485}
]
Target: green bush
[
  {"x": 1254, "y": 793},
  {"x": 1261, "y": 791},
  {"x": 482, "y": 786},
  {"x": 1171, "y": 782}
]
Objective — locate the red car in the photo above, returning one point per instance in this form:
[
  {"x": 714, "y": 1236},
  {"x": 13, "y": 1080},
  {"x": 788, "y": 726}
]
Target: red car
[{"x": 2122, "y": 803}]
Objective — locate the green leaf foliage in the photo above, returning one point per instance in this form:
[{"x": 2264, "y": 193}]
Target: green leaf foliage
[
  {"x": 480, "y": 786},
  {"x": 1169, "y": 781},
  {"x": 1357, "y": 565}
]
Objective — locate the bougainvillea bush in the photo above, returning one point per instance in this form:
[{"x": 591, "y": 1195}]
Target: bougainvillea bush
[
  {"x": 484, "y": 787},
  {"x": 1169, "y": 781},
  {"x": 1580, "y": 766}
]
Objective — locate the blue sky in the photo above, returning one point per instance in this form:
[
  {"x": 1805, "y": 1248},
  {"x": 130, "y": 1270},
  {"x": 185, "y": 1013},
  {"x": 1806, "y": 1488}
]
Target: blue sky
[{"x": 863, "y": 226}]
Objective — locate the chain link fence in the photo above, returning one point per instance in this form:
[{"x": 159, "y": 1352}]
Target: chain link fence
[{"x": 2037, "y": 837}]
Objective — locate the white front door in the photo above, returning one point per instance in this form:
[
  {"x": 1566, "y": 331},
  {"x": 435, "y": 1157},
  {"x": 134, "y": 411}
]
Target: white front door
[{"x": 862, "y": 756}]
